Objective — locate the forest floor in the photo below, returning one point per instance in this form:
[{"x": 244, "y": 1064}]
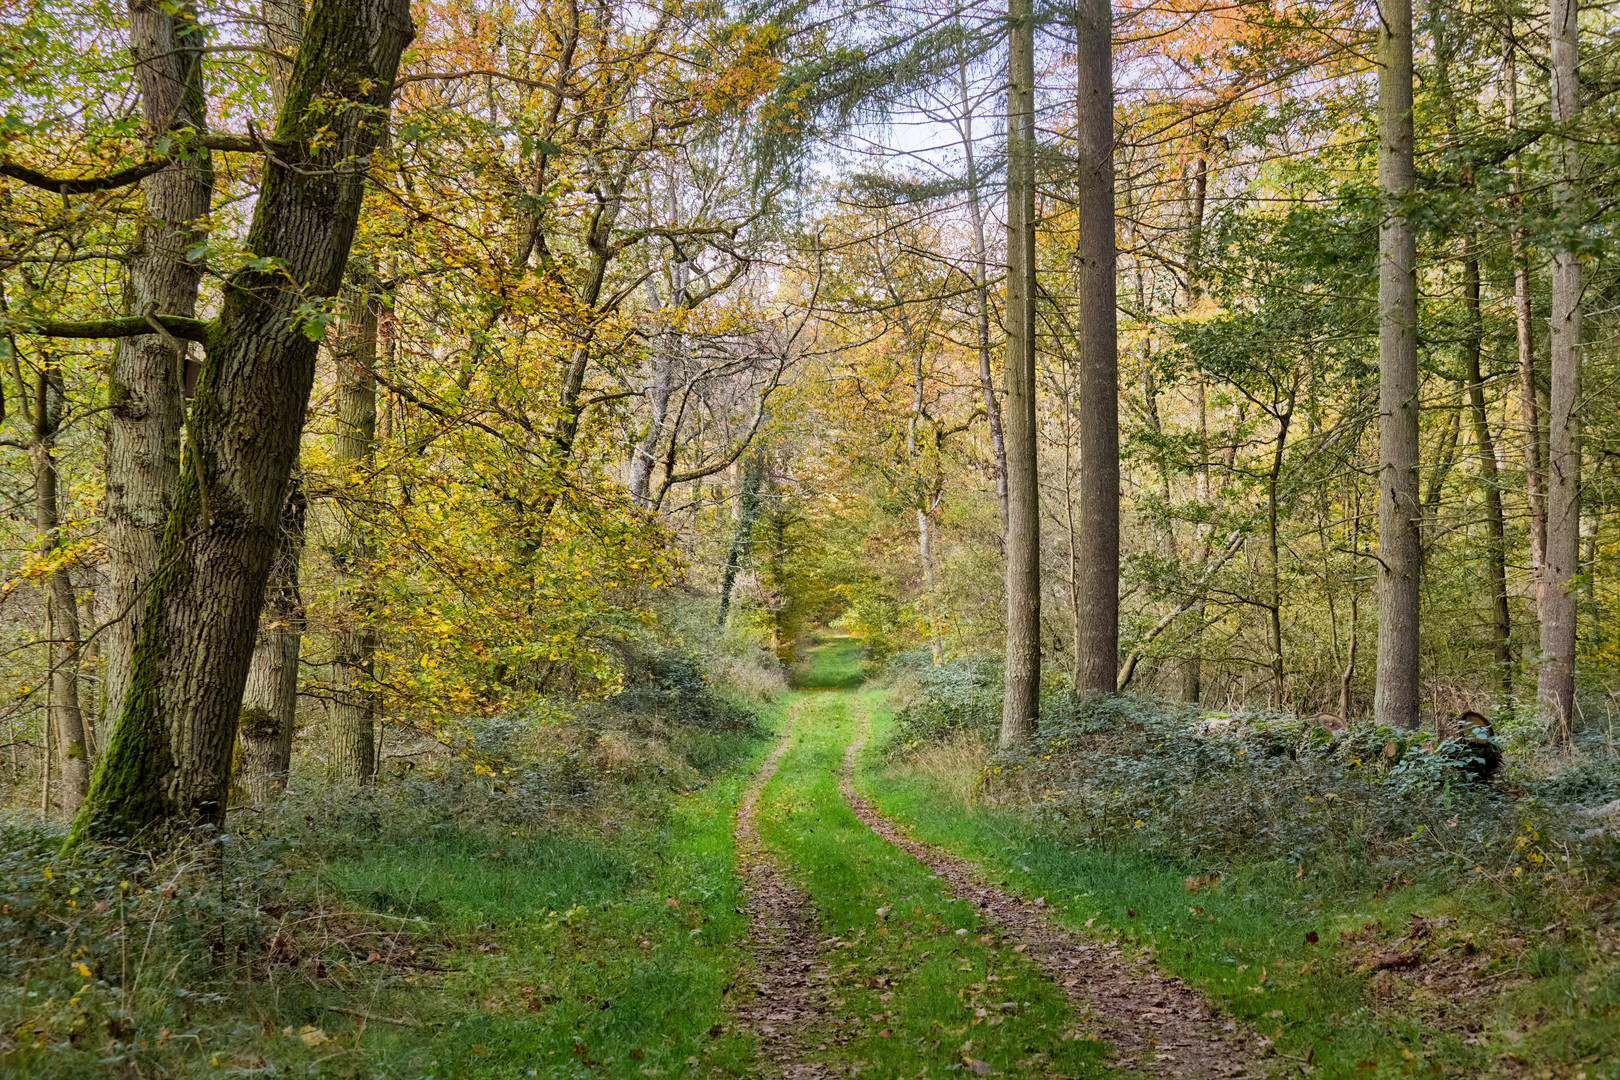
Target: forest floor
[{"x": 821, "y": 907}]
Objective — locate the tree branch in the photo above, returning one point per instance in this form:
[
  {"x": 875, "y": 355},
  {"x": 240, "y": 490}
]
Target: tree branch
[
  {"x": 84, "y": 185},
  {"x": 130, "y": 326}
]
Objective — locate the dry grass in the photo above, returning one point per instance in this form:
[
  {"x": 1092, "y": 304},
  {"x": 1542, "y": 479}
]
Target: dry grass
[{"x": 953, "y": 766}]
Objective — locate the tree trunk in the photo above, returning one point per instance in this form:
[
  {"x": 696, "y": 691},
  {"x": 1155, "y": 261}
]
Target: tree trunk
[
  {"x": 1099, "y": 352},
  {"x": 1535, "y": 491},
  {"x": 64, "y": 717},
  {"x": 353, "y": 710},
  {"x": 1192, "y": 668},
  {"x": 270, "y": 699},
  {"x": 981, "y": 291},
  {"x": 753, "y": 479},
  {"x": 925, "y": 557},
  {"x": 145, "y": 396},
  {"x": 1396, "y": 697},
  {"x": 169, "y": 759},
  {"x": 1022, "y": 704},
  {"x": 1496, "y": 546},
  {"x": 1279, "y": 686},
  {"x": 665, "y": 354},
  {"x": 1556, "y": 682}
]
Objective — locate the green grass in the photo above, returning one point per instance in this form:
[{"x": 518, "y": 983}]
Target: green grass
[
  {"x": 1311, "y": 998},
  {"x": 913, "y": 985},
  {"x": 572, "y": 961},
  {"x": 834, "y": 664}
]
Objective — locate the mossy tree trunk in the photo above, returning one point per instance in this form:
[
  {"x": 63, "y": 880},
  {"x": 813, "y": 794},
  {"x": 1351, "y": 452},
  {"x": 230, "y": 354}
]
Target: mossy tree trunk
[
  {"x": 270, "y": 700},
  {"x": 169, "y": 759},
  {"x": 145, "y": 391}
]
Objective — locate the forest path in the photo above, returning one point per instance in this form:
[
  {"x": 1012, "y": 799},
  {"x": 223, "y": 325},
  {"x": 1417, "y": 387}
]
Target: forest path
[
  {"x": 1156, "y": 1022},
  {"x": 789, "y": 972},
  {"x": 875, "y": 954}
]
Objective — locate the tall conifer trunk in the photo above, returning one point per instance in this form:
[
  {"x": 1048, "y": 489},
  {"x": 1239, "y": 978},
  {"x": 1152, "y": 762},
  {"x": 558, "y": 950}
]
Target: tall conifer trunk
[
  {"x": 1099, "y": 353},
  {"x": 1396, "y": 699},
  {"x": 1556, "y": 681},
  {"x": 1022, "y": 703}
]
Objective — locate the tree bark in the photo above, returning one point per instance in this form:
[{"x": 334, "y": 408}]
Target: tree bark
[
  {"x": 1535, "y": 485},
  {"x": 1485, "y": 445},
  {"x": 270, "y": 699},
  {"x": 353, "y": 710},
  {"x": 1192, "y": 668},
  {"x": 981, "y": 290},
  {"x": 1396, "y": 697},
  {"x": 1099, "y": 352},
  {"x": 145, "y": 381},
  {"x": 1556, "y": 682},
  {"x": 169, "y": 759},
  {"x": 65, "y": 718},
  {"x": 1022, "y": 703}
]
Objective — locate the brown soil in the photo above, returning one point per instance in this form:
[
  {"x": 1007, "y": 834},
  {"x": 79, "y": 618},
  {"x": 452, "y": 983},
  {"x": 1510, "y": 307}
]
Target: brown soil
[
  {"x": 1157, "y": 1024},
  {"x": 789, "y": 978}
]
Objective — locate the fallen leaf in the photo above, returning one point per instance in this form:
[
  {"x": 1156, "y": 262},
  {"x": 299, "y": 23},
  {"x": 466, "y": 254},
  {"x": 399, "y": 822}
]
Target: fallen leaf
[
  {"x": 1312, "y": 936},
  {"x": 312, "y": 1036},
  {"x": 982, "y": 1068}
]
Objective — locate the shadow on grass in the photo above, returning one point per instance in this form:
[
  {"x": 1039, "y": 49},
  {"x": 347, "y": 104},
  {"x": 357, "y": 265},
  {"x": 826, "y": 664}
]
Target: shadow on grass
[{"x": 834, "y": 664}]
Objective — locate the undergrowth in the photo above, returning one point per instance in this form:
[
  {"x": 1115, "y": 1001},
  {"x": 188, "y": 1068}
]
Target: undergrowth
[
  {"x": 546, "y": 894},
  {"x": 1463, "y": 915}
]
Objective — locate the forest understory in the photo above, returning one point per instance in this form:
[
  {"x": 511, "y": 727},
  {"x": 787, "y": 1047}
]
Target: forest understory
[{"x": 873, "y": 897}]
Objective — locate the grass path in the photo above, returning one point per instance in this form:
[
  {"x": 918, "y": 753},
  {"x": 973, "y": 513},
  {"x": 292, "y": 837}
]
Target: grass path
[
  {"x": 908, "y": 968},
  {"x": 1152, "y": 1019},
  {"x": 789, "y": 976}
]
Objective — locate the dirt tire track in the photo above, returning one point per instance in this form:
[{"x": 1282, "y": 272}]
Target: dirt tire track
[
  {"x": 1156, "y": 1023},
  {"x": 788, "y": 978}
]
